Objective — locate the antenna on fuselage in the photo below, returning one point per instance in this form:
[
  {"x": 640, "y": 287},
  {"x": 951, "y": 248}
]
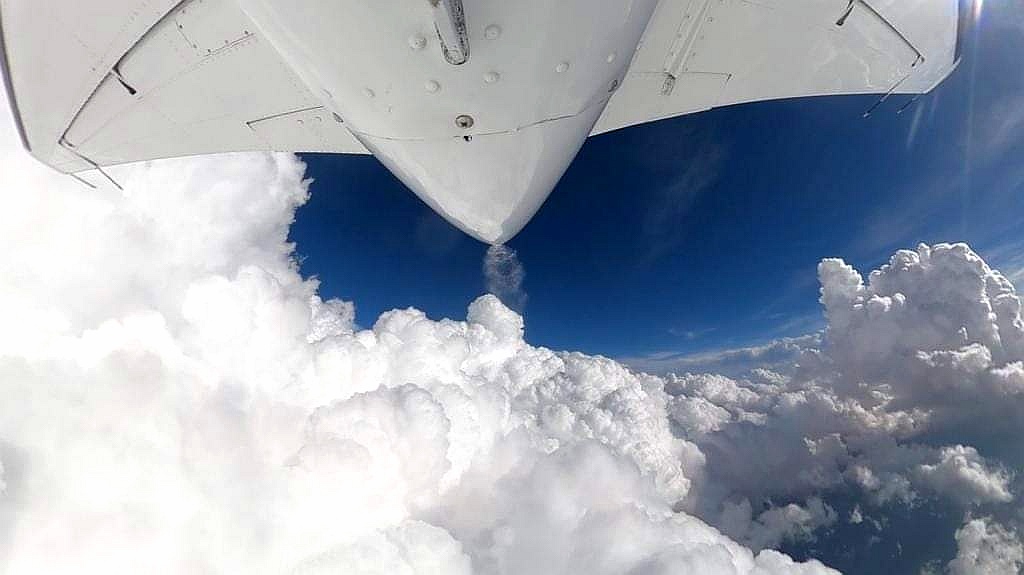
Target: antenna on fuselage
[{"x": 450, "y": 23}]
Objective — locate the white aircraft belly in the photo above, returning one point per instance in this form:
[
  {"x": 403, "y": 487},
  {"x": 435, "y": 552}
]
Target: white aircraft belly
[{"x": 484, "y": 142}]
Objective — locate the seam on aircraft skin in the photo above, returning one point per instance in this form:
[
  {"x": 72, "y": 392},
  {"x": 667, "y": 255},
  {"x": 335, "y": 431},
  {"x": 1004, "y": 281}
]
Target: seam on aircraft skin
[
  {"x": 5, "y": 71},
  {"x": 78, "y": 112},
  {"x": 893, "y": 27},
  {"x": 832, "y": 28},
  {"x": 140, "y": 96},
  {"x": 602, "y": 102},
  {"x": 282, "y": 114}
]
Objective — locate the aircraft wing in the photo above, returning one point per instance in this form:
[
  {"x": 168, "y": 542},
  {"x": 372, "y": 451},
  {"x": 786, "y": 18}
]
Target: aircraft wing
[
  {"x": 701, "y": 54},
  {"x": 103, "y": 82}
]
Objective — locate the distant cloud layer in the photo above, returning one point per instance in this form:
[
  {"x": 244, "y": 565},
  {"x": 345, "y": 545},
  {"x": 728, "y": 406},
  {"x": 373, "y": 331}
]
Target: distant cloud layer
[
  {"x": 914, "y": 399},
  {"x": 780, "y": 354},
  {"x": 178, "y": 399}
]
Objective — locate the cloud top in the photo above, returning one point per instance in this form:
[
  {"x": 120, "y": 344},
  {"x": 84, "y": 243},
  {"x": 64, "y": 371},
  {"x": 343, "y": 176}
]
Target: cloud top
[{"x": 178, "y": 398}]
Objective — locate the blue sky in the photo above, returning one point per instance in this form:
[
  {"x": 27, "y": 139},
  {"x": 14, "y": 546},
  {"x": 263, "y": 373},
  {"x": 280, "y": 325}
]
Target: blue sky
[{"x": 703, "y": 232}]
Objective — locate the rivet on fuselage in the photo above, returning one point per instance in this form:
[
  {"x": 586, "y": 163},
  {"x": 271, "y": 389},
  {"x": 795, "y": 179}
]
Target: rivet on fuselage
[
  {"x": 562, "y": 67},
  {"x": 368, "y": 93},
  {"x": 611, "y": 57},
  {"x": 432, "y": 86},
  {"x": 465, "y": 122},
  {"x": 492, "y": 77},
  {"x": 492, "y": 32}
]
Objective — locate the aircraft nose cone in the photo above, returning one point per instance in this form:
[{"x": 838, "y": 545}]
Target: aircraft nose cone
[{"x": 489, "y": 185}]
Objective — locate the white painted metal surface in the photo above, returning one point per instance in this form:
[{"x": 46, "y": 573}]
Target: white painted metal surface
[
  {"x": 724, "y": 52},
  {"x": 479, "y": 106},
  {"x": 492, "y": 185},
  {"x": 200, "y": 72},
  {"x": 522, "y": 120}
]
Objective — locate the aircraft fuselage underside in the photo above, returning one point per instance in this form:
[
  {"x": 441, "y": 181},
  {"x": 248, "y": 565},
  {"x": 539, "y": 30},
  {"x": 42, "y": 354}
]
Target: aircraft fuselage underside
[{"x": 478, "y": 107}]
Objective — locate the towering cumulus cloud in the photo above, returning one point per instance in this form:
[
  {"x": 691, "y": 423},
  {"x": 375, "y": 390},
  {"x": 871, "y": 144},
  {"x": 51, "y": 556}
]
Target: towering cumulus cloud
[
  {"x": 904, "y": 422},
  {"x": 177, "y": 399}
]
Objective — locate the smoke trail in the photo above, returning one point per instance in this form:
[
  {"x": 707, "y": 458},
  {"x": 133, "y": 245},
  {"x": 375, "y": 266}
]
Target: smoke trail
[{"x": 505, "y": 276}]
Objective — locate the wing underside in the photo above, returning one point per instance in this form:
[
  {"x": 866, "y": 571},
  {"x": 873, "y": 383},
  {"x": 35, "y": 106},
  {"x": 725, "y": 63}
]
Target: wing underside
[
  {"x": 702, "y": 54},
  {"x": 106, "y": 82}
]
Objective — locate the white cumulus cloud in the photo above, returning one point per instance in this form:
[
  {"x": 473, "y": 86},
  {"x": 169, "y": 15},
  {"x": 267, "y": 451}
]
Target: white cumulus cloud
[
  {"x": 987, "y": 548},
  {"x": 911, "y": 401},
  {"x": 962, "y": 474},
  {"x": 178, "y": 399}
]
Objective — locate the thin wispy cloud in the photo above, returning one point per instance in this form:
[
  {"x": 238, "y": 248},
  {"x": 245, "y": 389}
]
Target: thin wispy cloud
[
  {"x": 667, "y": 206},
  {"x": 1008, "y": 256},
  {"x": 780, "y": 354},
  {"x": 504, "y": 275}
]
